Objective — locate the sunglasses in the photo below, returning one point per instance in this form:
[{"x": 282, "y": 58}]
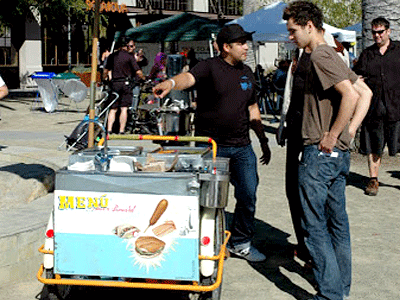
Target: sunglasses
[
  {"x": 131, "y": 46},
  {"x": 378, "y": 32}
]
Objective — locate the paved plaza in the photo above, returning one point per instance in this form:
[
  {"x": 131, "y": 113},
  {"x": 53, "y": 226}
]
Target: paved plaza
[{"x": 29, "y": 155}]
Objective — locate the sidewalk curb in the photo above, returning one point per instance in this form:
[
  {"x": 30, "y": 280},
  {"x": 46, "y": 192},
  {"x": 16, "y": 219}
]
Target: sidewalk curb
[
  {"x": 26, "y": 159},
  {"x": 19, "y": 243},
  {"x": 43, "y": 182}
]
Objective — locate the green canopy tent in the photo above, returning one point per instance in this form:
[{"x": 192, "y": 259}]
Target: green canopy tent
[{"x": 182, "y": 27}]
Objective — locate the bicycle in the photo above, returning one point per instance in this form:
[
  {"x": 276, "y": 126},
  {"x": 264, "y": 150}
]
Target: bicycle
[
  {"x": 151, "y": 115},
  {"x": 143, "y": 114},
  {"x": 268, "y": 97}
]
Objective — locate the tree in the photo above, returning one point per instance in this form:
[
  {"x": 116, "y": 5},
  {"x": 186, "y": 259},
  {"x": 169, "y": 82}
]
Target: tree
[
  {"x": 53, "y": 11},
  {"x": 337, "y": 13},
  {"x": 340, "y": 13},
  {"x": 371, "y": 9}
]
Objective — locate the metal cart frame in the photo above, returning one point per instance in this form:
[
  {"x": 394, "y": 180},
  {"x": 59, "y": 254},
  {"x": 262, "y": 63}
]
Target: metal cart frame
[{"x": 162, "y": 284}]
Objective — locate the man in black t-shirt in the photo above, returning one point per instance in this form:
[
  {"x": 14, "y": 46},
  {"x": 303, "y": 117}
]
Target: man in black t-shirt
[
  {"x": 123, "y": 69},
  {"x": 226, "y": 109},
  {"x": 379, "y": 65}
]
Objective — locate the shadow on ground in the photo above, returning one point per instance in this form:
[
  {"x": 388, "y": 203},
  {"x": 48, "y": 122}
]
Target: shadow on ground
[
  {"x": 29, "y": 171},
  {"x": 274, "y": 243},
  {"x": 360, "y": 181},
  {"x": 395, "y": 174},
  {"x": 357, "y": 180}
]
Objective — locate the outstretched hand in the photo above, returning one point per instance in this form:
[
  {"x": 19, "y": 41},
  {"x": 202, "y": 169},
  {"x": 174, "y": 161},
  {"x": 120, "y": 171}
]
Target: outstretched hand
[{"x": 162, "y": 89}]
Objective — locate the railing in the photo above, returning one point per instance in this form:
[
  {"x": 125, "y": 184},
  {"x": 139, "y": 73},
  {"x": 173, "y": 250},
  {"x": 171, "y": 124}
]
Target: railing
[
  {"x": 223, "y": 7},
  {"x": 179, "y": 5},
  {"x": 226, "y": 7}
]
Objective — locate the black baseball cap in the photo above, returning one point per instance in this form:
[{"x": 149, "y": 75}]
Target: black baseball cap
[{"x": 230, "y": 33}]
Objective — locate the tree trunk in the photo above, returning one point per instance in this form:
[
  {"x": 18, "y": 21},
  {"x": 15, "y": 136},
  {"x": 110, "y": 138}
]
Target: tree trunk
[{"x": 389, "y": 9}]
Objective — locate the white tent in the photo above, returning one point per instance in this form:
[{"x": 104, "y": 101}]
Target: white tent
[
  {"x": 269, "y": 27},
  {"x": 341, "y": 35},
  {"x": 267, "y": 23}
]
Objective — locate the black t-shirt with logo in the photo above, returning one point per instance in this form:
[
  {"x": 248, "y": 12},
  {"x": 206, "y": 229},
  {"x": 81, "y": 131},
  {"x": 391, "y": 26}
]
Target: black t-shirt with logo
[{"x": 224, "y": 93}]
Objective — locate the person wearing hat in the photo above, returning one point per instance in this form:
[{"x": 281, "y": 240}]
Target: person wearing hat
[{"x": 226, "y": 110}]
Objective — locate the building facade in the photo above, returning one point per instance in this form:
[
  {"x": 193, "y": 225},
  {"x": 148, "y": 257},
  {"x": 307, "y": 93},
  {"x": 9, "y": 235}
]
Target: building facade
[{"x": 30, "y": 47}]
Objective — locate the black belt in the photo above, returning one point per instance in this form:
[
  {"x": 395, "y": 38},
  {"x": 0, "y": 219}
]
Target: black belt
[{"x": 120, "y": 79}]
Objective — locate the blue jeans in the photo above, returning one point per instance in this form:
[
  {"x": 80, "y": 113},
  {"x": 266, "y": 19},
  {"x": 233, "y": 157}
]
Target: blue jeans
[
  {"x": 322, "y": 183},
  {"x": 244, "y": 178}
]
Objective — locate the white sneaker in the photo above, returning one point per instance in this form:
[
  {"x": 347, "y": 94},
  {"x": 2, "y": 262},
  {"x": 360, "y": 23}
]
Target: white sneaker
[{"x": 249, "y": 253}]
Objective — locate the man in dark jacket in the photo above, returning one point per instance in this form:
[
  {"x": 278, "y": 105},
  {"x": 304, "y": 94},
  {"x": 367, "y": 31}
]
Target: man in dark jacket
[{"x": 379, "y": 65}]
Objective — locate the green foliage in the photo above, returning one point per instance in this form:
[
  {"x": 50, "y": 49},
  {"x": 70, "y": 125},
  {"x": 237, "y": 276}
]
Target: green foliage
[
  {"x": 52, "y": 12},
  {"x": 340, "y": 13}
]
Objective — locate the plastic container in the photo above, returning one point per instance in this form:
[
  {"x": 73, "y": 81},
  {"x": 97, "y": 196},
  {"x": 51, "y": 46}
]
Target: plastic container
[{"x": 47, "y": 89}]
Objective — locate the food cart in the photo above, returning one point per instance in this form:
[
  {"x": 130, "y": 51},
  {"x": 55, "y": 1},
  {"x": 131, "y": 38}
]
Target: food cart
[{"x": 136, "y": 218}]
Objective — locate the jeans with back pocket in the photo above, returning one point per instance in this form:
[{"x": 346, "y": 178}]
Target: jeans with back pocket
[{"x": 322, "y": 183}]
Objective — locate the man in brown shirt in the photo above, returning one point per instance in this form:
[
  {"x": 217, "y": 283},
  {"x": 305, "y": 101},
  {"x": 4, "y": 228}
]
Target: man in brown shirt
[{"x": 335, "y": 102}]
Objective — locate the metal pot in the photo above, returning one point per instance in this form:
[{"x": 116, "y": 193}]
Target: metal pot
[{"x": 214, "y": 189}]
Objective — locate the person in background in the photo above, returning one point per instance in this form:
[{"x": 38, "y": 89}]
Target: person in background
[
  {"x": 158, "y": 71},
  {"x": 131, "y": 47},
  {"x": 335, "y": 103},
  {"x": 3, "y": 90},
  {"x": 123, "y": 69},
  {"x": 226, "y": 110},
  {"x": 379, "y": 65},
  {"x": 104, "y": 56},
  {"x": 279, "y": 77},
  {"x": 103, "y": 60},
  {"x": 261, "y": 85},
  {"x": 279, "y": 81},
  {"x": 259, "y": 75},
  {"x": 352, "y": 57},
  {"x": 141, "y": 58}
]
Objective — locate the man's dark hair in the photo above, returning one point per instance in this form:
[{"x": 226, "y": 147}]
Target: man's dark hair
[
  {"x": 381, "y": 21},
  {"x": 303, "y": 11},
  {"x": 123, "y": 41}
]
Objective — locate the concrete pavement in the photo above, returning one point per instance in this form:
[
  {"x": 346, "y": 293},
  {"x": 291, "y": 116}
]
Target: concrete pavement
[{"x": 29, "y": 156}]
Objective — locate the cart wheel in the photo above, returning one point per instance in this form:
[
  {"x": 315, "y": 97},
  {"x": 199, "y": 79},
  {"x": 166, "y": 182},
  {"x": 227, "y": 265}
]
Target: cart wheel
[
  {"x": 219, "y": 240},
  {"x": 57, "y": 291}
]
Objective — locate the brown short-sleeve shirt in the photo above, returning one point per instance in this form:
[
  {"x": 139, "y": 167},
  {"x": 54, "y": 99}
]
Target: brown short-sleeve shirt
[{"x": 322, "y": 101}]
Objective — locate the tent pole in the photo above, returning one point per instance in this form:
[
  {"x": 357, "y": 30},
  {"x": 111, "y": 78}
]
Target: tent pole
[
  {"x": 112, "y": 46},
  {"x": 255, "y": 54},
  {"x": 211, "y": 44}
]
